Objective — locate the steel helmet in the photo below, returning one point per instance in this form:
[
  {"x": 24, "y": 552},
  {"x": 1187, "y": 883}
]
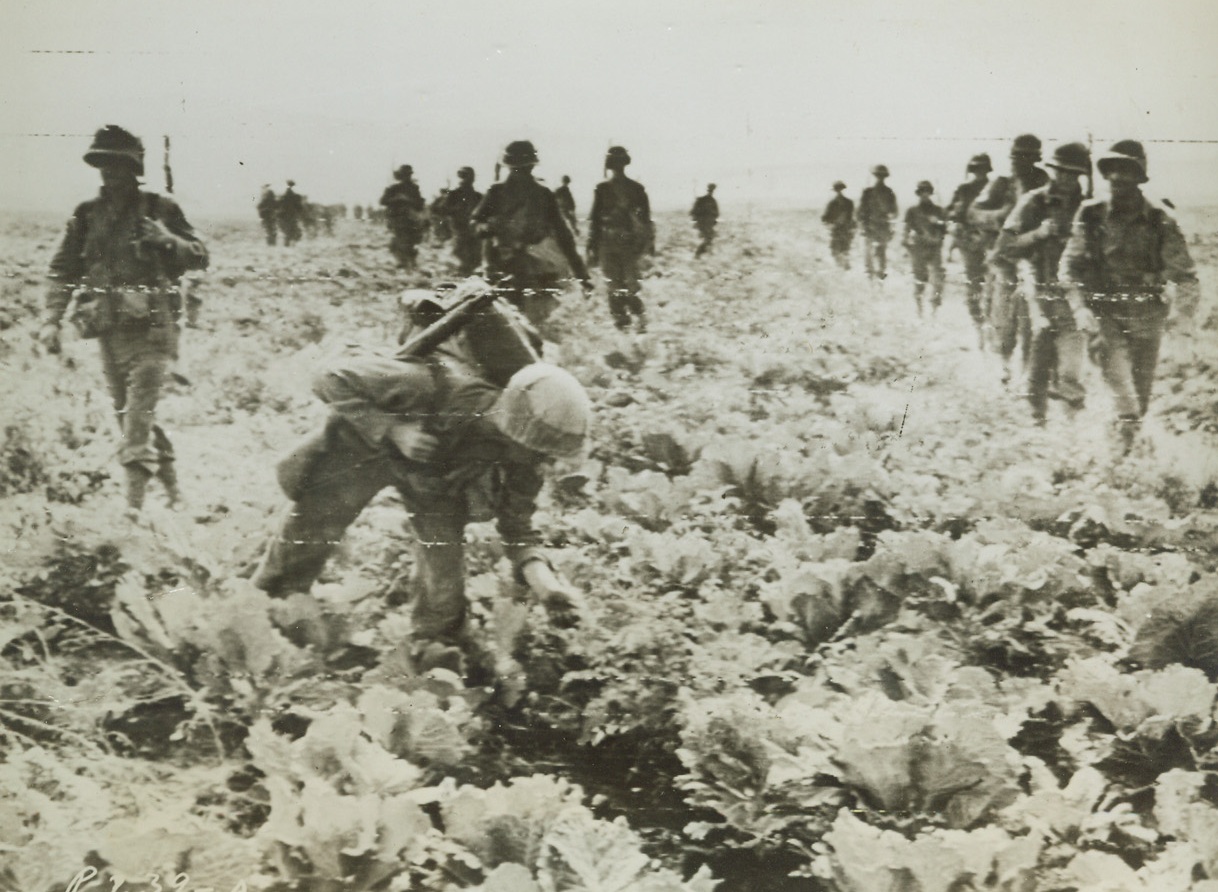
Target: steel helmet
[
  {"x": 1026, "y": 144},
  {"x": 617, "y": 156},
  {"x": 466, "y": 173},
  {"x": 924, "y": 187},
  {"x": 980, "y": 163},
  {"x": 404, "y": 172},
  {"x": 879, "y": 171},
  {"x": 520, "y": 154},
  {"x": 1124, "y": 152},
  {"x": 113, "y": 143},
  {"x": 545, "y": 409},
  {"x": 1071, "y": 156},
  {"x": 838, "y": 185}
]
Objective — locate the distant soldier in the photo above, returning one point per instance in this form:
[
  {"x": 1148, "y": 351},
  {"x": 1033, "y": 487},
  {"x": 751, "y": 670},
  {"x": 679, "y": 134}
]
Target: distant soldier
[
  {"x": 404, "y": 206},
  {"x": 839, "y": 217},
  {"x": 358, "y": 213},
  {"x": 528, "y": 246},
  {"x": 620, "y": 232},
  {"x": 566, "y": 203},
  {"x": 971, "y": 241},
  {"x": 325, "y": 215},
  {"x": 1033, "y": 238},
  {"x": 877, "y": 212},
  {"x": 441, "y": 226},
  {"x": 309, "y": 217},
  {"x": 458, "y": 209},
  {"x": 705, "y": 214},
  {"x": 925, "y": 228},
  {"x": 121, "y": 258},
  {"x": 1008, "y": 311},
  {"x": 266, "y": 213},
  {"x": 1121, "y": 254},
  {"x": 290, "y": 211}
]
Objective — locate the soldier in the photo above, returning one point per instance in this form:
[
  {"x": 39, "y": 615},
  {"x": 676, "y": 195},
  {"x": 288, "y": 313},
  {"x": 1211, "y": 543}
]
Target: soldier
[
  {"x": 925, "y": 227},
  {"x": 458, "y": 209},
  {"x": 839, "y": 217},
  {"x": 358, "y": 213},
  {"x": 1008, "y": 311},
  {"x": 528, "y": 247},
  {"x": 441, "y": 226},
  {"x": 266, "y": 213},
  {"x": 1033, "y": 239},
  {"x": 620, "y": 231},
  {"x": 877, "y": 211},
  {"x": 1120, "y": 254},
  {"x": 121, "y": 257},
  {"x": 705, "y": 214},
  {"x": 566, "y": 203},
  {"x": 404, "y": 206},
  {"x": 459, "y": 447},
  {"x": 291, "y": 211},
  {"x": 969, "y": 240}
]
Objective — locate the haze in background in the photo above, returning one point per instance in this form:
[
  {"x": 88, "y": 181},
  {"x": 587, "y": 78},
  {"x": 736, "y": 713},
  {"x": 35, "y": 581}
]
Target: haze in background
[{"x": 770, "y": 99}]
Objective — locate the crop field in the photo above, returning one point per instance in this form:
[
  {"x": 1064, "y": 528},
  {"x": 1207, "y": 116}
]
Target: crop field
[{"x": 851, "y": 622}]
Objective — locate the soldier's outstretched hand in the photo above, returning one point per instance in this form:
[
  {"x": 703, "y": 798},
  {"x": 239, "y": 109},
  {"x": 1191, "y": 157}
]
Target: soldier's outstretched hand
[
  {"x": 564, "y": 603},
  {"x": 154, "y": 234},
  {"x": 48, "y": 337}
]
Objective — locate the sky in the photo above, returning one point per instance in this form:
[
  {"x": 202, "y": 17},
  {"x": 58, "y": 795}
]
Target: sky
[{"x": 770, "y": 99}]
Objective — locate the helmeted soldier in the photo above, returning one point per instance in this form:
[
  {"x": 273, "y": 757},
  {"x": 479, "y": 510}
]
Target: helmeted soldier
[
  {"x": 266, "y": 212},
  {"x": 972, "y": 242},
  {"x": 925, "y": 227},
  {"x": 1007, "y": 312},
  {"x": 404, "y": 214},
  {"x": 121, "y": 260},
  {"x": 291, "y": 213},
  {"x": 458, "y": 209},
  {"x": 876, "y": 214},
  {"x": 1033, "y": 239},
  {"x": 463, "y": 434},
  {"x": 839, "y": 217},
  {"x": 705, "y": 214},
  {"x": 566, "y": 203},
  {"x": 528, "y": 247},
  {"x": 620, "y": 232},
  {"x": 1121, "y": 255}
]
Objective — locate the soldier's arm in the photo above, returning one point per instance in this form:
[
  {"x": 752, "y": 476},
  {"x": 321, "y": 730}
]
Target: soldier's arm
[
  {"x": 1022, "y": 228},
  {"x": 594, "y": 220},
  {"x": 1179, "y": 269},
  {"x": 1074, "y": 270},
  {"x": 992, "y": 206},
  {"x": 186, "y": 251},
  {"x": 645, "y": 211},
  {"x": 564, "y": 236},
  {"x": 66, "y": 271},
  {"x": 514, "y": 517}
]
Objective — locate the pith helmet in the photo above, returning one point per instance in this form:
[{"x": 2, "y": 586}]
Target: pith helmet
[
  {"x": 404, "y": 172},
  {"x": 519, "y": 154},
  {"x": 1071, "y": 156},
  {"x": 113, "y": 143},
  {"x": 545, "y": 409},
  {"x": 617, "y": 156},
  {"x": 924, "y": 187},
  {"x": 466, "y": 173},
  {"x": 1026, "y": 144},
  {"x": 980, "y": 163},
  {"x": 1126, "y": 152},
  {"x": 838, "y": 185},
  {"x": 879, "y": 171}
]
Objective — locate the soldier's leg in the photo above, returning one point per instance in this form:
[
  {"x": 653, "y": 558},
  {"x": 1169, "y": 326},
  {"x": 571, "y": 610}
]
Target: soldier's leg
[
  {"x": 936, "y": 280},
  {"x": 339, "y": 485},
  {"x": 632, "y": 285},
  {"x": 1041, "y": 359},
  {"x": 1071, "y": 348},
  {"x": 615, "y": 275},
  {"x": 1144, "y": 339},
  {"x": 921, "y": 272},
  {"x": 869, "y": 255},
  {"x": 881, "y": 257},
  {"x": 440, "y": 608},
  {"x": 1116, "y": 366}
]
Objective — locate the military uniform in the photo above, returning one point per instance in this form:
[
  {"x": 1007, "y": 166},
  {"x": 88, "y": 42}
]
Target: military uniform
[
  {"x": 1057, "y": 347},
  {"x": 925, "y": 227},
  {"x": 839, "y": 217},
  {"x": 291, "y": 212},
  {"x": 458, "y": 209},
  {"x": 1116, "y": 264},
  {"x": 529, "y": 249},
  {"x": 404, "y": 207},
  {"x": 877, "y": 210},
  {"x": 266, "y": 213},
  {"x": 705, "y": 214},
  {"x": 566, "y": 204},
  {"x": 620, "y": 232},
  {"x": 126, "y": 295},
  {"x": 969, "y": 239}
]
